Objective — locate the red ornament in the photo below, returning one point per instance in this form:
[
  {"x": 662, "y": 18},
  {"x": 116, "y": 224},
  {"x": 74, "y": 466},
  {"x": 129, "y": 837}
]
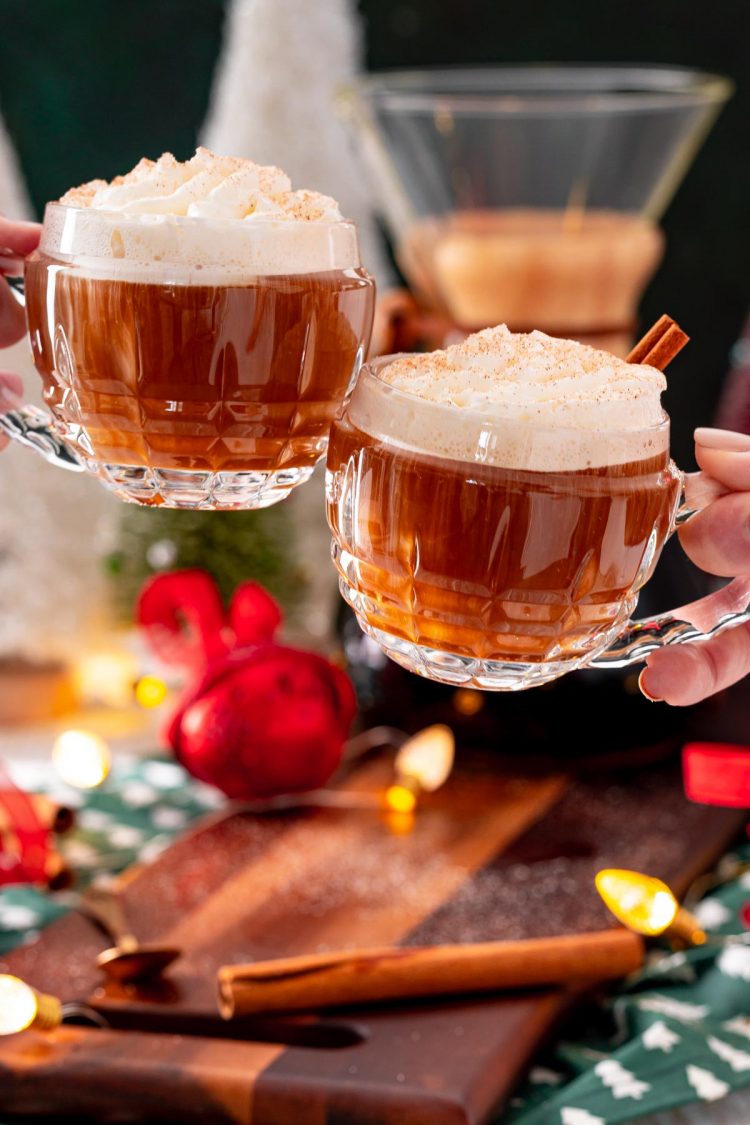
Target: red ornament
[
  {"x": 262, "y": 718},
  {"x": 717, "y": 773}
]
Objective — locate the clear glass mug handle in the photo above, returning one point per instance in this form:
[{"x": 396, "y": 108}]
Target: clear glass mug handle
[
  {"x": 30, "y": 425},
  {"x": 639, "y": 638},
  {"x": 15, "y": 284}
]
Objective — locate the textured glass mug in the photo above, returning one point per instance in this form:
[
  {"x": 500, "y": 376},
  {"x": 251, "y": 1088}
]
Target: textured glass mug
[
  {"x": 178, "y": 366},
  {"x": 471, "y": 572}
]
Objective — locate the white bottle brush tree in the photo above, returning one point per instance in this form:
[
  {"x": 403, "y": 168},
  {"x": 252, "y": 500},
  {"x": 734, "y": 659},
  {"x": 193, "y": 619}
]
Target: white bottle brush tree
[{"x": 51, "y": 522}]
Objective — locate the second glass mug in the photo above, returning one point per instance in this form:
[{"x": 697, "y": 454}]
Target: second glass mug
[
  {"x": 470, "y": 569},
  {"x": 192, "y": 377}
]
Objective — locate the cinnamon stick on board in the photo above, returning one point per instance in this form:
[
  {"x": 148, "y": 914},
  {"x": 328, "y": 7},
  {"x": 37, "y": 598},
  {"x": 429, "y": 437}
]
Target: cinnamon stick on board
[
  {"x": 352, "y": 977},
  {"x": 660, "y": 344}
]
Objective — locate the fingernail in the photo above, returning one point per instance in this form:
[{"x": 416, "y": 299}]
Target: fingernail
[
  {"x": 727, "y": 441},
  {"x": 644, "y": 690}
]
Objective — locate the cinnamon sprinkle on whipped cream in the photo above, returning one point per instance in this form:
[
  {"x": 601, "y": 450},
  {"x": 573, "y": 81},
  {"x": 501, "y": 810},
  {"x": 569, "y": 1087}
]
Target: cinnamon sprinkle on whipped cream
[
  {"x": 535, "y": 378},
  {"x": 206, "y": 186}
]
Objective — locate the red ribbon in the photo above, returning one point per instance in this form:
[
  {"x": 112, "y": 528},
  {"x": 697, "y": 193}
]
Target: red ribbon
[
  {"x": 26, "y": 830},
  {"x": 186, "y": 625}
]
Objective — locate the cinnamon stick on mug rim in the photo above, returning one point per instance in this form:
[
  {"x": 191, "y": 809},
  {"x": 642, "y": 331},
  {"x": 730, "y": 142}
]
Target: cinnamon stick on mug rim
[
  {"x": 660, "y": 345},
  {"x": 335, "y": 979}
]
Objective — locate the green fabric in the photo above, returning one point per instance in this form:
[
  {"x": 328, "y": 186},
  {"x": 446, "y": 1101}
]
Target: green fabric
[{"x": 677, "y": 1033}]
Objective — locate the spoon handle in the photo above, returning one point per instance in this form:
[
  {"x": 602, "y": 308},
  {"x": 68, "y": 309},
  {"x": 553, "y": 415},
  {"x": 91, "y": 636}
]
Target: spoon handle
[{"x": 105, "y": 908}]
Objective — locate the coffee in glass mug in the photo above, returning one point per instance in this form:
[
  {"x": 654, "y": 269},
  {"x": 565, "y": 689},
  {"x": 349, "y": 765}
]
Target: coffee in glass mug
[
  {"x": 497, "y": 506},
  {"x": 196, "y": 326}
]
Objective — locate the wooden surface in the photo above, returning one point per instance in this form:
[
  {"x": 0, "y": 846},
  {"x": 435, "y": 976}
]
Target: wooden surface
[{"x": 487, "y": 858}]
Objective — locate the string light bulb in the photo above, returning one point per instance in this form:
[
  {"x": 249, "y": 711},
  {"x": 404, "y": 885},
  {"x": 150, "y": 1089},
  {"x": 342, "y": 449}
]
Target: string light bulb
[
  {"x": 647, "y": 906},
  {"x": 150, "y": 692},
  {"x": 22, "y": 1007},
  {"x": 427, "y": 758},
  {"x": 81, "y": 758},
  {"x": 468, "y": 701},
  {"x": 423, "y": 764},
  {"x": 106, "y": 677},
  {"x": 400, "y": 799}
]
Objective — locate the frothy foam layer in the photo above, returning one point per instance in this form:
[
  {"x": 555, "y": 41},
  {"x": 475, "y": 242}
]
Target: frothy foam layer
[
  {"x": 522, "y": 401},
  {"x": 211, "y": 215}
]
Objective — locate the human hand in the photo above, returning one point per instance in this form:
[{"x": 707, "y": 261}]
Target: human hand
[
  {"x": 17, "y": 240},
  {"x": 717, "y": 539}
]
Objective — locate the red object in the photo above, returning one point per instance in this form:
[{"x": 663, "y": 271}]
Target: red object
[
  {"x": 745, "y": 915},
  {"x": 183, "y": 618},
  {"x": 717, "y": 773},
  {"x": 24, "y": 839},
  {"x": 260, "y": 718}
]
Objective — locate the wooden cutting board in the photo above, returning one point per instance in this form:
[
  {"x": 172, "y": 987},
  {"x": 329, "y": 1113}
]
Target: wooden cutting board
[{"x": 487, "y": 858}]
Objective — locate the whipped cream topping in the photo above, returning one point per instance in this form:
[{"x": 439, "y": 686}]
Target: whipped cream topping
[
  {"x": 520, "y": 400},
  {"x": 225, "y": 216},
  {"x": 206, "y": 187}
]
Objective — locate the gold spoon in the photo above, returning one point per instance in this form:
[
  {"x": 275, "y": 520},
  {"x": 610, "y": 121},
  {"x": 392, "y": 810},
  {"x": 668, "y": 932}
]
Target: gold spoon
[{"x": 128, "y": 960}]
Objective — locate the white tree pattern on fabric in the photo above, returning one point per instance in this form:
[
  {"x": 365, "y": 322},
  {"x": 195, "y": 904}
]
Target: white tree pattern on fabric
[
  {"x": 659, "y": 1037},
  {"x": 17, "y": 917},
  {"x": 737, "y": 1059},
  {"x": 677, "y": 1009},
  {"x": 543, "y": 1076},
  {"x": 734, "y": 961},
  {"x": 569, "y": 1115},
  {"x": 622, "y": 1083},
  {"x": 707, "y": 1086},
  {"x": 139, "y": 795},
  {"x": 740, "y": 1025},
  {"x": 164, "y": 775},
  {"x": 678, "y": 967},
  {"x": 711, "y": 913}
]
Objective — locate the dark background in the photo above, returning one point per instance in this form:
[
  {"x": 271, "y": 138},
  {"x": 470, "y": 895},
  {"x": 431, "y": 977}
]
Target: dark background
[{"x": 87, "y": 88}]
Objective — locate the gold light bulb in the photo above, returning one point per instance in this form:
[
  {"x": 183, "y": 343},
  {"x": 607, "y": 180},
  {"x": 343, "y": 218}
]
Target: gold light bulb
[
  {"x": 427, "y": 758},
  {"x": 400, "y": 798},
  {"x": 106, "y": 677},
  {"x": 22, "y": 1007},
  {"x": 150, "y": 691},
  {"x": 647, "y": 906},
  {"x": 81, "y": 758}
]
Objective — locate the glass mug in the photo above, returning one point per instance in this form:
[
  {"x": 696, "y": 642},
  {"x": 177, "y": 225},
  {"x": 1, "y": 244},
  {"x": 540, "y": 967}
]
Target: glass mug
[
  {"x": 188, "y": 375},
  {"x": 469, "y": 570}
]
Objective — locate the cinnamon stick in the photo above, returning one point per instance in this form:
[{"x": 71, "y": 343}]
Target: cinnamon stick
[
  {"x": 660, "y": 345},
  {"x": 359, "y": 976}
]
